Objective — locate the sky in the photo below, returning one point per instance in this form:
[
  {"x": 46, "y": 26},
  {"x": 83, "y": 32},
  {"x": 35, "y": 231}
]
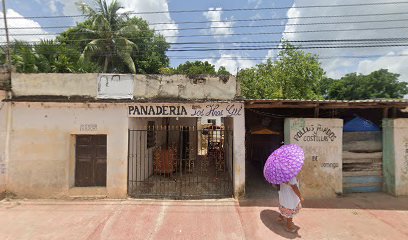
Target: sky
[{"x": 292, "y": 26}]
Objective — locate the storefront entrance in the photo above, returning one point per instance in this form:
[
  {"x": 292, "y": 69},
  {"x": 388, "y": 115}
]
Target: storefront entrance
[{"x": 179, "y": 158}]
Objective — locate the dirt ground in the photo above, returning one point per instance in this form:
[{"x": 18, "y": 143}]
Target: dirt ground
[{"x": 358, "y": 216}]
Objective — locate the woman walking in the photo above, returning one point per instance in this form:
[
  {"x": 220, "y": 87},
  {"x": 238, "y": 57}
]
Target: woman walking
[
  {"x": 281, "y": 168},
  {"x": 290, "y": 200}
]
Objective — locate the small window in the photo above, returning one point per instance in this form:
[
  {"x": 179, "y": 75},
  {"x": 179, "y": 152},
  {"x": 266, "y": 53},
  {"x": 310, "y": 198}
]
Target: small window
[{"x": 151, "y": 134}]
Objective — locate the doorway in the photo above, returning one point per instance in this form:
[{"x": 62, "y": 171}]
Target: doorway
[
  {"x": 183, "y": 160},
  {"x": 90, "y": 161},
  {"x": 264, "y": 135}
]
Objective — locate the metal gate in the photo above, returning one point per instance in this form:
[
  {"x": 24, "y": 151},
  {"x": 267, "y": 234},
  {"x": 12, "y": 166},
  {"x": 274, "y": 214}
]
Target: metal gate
[{"x": 180, "y": 162}]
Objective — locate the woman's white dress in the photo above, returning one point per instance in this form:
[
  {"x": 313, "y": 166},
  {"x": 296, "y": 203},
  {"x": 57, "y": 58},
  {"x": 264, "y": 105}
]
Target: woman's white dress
[{"x": 287, "y": 197}]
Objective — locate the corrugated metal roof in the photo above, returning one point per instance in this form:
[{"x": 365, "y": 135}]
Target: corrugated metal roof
[
  {"x": 329, "y": 101},
  {"x": 299, "y": 103}
]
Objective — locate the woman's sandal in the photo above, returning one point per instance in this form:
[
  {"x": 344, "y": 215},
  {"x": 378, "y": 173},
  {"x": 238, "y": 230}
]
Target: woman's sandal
[
  {"x": 280, "y": 220},
  {"x": 291, "y": 228}
]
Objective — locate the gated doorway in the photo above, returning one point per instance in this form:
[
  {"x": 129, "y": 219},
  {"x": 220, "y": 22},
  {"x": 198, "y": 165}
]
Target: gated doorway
[{"x": 179, "y": 159}]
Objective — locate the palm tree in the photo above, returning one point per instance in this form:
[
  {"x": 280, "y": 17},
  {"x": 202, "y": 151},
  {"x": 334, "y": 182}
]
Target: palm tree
[
  {"x": 23, "y": 57},
  {"x": 108, "y": 28}
]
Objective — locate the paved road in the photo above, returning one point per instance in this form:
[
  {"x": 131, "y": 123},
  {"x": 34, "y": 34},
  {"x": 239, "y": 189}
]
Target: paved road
[{"x": 367, "y": 216}]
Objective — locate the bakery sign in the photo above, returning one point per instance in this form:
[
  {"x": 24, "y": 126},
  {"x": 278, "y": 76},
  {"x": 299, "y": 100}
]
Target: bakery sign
[{"x": 185, "y": 110}]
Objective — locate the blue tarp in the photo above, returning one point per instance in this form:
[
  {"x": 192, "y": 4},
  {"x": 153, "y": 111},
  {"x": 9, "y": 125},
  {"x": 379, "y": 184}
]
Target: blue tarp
[{"x": 359, "y": 124}]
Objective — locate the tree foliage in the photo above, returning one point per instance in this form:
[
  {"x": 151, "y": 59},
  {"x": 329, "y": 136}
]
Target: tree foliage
[
  {"x": 295, "y": 75},
  {"x": 116, "y": 42},
  {"x": 47, "y": 56},
  {"x": 195, "y": 68},
  {"x": 107, "y": 41},
  {"x": 353, "y": 86}
]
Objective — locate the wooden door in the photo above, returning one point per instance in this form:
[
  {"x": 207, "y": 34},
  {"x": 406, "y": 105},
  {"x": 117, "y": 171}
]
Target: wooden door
[{"x": 90, "y": 163}]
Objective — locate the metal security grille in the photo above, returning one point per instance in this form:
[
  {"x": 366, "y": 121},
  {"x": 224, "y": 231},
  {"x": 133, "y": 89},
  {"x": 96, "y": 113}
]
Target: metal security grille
[{"x": 180, "y": 162}]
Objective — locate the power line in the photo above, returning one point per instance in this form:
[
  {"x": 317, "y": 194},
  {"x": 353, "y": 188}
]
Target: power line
[
  {"x": 368, "y": 40},
  {"x": 283, "y": 18},
  {"x": 274, "y": 58},
  {"x": 237, "y": 34},
  {"x": 272, "y": 47},
  {"x": 232, "y": 9},
  {"x": 255, "y": 48},
  {"x": 240, "y": 26},
  {"x": 106, "y": 53}
]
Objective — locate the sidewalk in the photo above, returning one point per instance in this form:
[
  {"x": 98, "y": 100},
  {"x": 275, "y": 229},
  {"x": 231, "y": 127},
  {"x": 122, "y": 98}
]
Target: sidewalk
[{"x": 365, "y": 216}]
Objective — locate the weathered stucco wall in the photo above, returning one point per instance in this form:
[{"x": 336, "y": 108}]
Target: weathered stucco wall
[
  {"x": 3, "y": 138},
  {"x": 321, "y": 139},
  {"x": 179, "y": 86},
  {"x": 54, "y": 84},
  {"x": 42, "y": 146},
  {"x": 41, "y": 160},
  {"x": 145, "y": 86},
  {"x": 239, "y": 154},
  {"x": 389, "y": 156},
  {"x": 396, "y": 156}
]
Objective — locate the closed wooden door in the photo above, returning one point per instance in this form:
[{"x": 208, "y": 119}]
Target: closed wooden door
[{"x": 90, "y": 164}]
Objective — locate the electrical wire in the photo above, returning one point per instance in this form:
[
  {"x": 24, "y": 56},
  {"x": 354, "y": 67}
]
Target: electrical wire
[
  {"x": 231, "y": 9},
  {"x": 249, "y": 48},
  {"x": 236, "y": 34},
  {"x": 232, "y": 27},
  {"x": 107, "y": 53},
  {"x": 328, "y": 41}
]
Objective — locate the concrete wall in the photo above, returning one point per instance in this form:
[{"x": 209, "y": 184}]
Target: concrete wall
[
  {"x": 239, "y": 154},
  {"x": 42, "y": 147},
  {"x": 321, "y": 139},
  {"x": 4, "y": 107},
  {"x": 395, "y": 158},
  {"x": 41, "y": 153},
  {"x": 179, "y": 86},
  {"x": 229, "y": 138},
  {"x": 54, "y": 84},
  {"x": 145, "y": 86}
]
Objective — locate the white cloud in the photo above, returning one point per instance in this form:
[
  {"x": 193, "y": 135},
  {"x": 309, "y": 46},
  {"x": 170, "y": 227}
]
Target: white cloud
[
  {"x": 232, "y": 62},
  {"x": 53, "y": 6},
  {"x": 18, "y": 21},
  {"x": 69, "y": 7},
  {"x": 393, "y": 61},
  {"x": 256, "y": 2},
  {"x": 218, "y": 27},
  {"x": 337, "y": 67},
  {"x": 155, "y": 6}
]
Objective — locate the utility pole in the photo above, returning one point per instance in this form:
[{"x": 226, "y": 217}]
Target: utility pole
[{"x": 8, "y": 58}]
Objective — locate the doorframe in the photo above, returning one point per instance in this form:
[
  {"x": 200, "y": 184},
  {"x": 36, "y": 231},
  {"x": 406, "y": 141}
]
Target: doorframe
[{"x": 72, "y": 160}]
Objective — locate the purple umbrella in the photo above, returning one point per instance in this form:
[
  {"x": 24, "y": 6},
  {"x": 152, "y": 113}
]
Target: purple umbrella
[{"x": 284, "y": 164}]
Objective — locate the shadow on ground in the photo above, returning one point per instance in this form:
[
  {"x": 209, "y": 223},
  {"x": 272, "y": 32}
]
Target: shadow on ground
[
  {"x": 375, "y": 201},
  {"x": 269, "y": 217}
]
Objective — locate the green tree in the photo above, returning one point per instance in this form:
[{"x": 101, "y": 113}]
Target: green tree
[
  {"x": 378, "y": 84},
  {"x": 108, "y": 29},
  {"x": 195, "y": 68},
  {"x": 117, "y": 42},
  {"x": 23, "y": 57},
  {"x": 295, "y": 75},
  {"x": 47, "y": 56}
]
